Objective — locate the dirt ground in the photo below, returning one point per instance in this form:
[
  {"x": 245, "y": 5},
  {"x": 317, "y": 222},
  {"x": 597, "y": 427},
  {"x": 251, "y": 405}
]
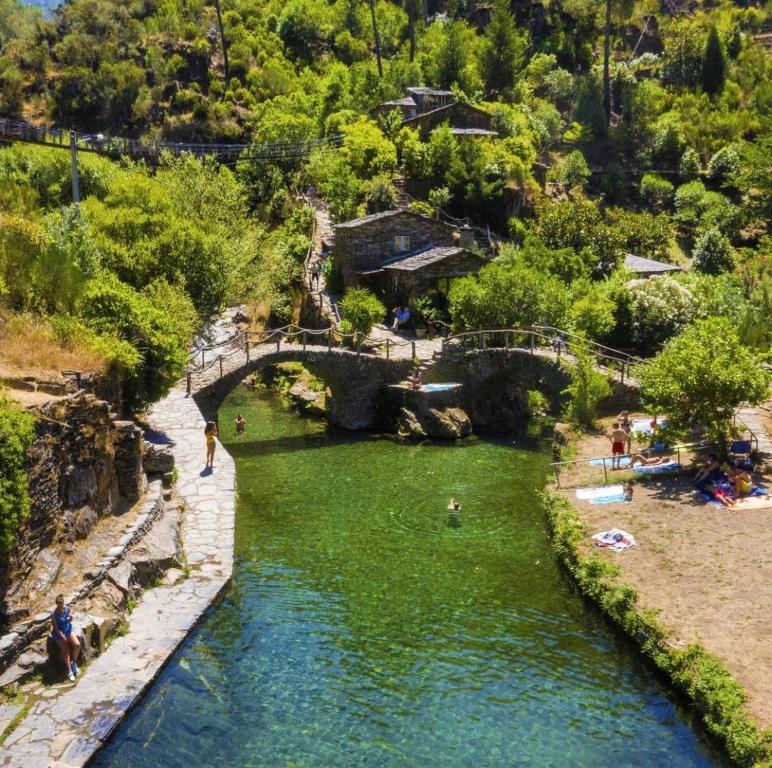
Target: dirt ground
[{"x": 705, "y": 569}]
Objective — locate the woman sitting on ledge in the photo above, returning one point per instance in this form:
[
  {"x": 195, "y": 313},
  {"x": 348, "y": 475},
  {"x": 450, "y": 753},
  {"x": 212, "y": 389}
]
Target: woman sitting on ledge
[{"x": 62, "y": 634}]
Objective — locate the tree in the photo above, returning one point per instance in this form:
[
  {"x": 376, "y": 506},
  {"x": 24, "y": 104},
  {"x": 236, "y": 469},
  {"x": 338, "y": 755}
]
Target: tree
[
  {"x": 361, "y": 310},
  {"x": 571, "y": 171},
  {"x": 452, "y": 55},
  {"x": 712, "y": 252},
  {"x": 587, "y": 389},
  {"x": 713, "y": 65},
  {"x": 503, "y": 50},
  {"x": 701, "y": 377},
  {"x": 376, "y": 38},
  {"x": 606, "y": 58}
]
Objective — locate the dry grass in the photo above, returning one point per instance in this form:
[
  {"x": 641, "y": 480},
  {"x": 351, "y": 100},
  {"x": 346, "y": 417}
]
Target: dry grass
[{"x": 28, "y": 347}]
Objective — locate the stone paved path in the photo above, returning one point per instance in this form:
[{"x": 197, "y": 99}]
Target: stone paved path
[
  {"x": 323, "y": 232},
  {"x": 753, "y": 419},
  {"x": 64, "y": 731}
]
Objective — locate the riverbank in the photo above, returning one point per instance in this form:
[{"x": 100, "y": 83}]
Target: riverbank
[
  {"x": 695, "y": 594},
  {"x": 66, "y": 729}
]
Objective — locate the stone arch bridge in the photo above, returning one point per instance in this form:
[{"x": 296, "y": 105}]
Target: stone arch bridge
[{"x": 496, "y": 375}]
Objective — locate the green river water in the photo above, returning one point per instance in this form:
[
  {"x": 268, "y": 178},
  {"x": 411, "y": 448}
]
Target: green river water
[{"x": 366, "y": 627}]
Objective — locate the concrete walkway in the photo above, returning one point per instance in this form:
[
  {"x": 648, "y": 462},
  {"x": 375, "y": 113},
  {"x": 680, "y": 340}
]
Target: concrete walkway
[
  {"x": 66, "y": 729},
  {"x": 754, "y": 420}
]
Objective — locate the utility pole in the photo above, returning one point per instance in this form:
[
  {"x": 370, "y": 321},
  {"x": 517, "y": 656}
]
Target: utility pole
[{"x": 74, "y": 167}]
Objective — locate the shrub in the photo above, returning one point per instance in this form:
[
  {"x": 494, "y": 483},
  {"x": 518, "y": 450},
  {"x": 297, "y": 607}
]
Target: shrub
[
  {"x": 571, "y": 171},
  {"x": 660, "y": 307},
  {"x": 361, "y": 310},
  {"x": 588, "y": 387},
  {"x": 656, "y": 191},
  {"x": 713, "y": 69},
  {"x": 713, "y": 253},
  {"x": 689, "y": 167},
  {"x": 537, "y": 402},
  {"x": 16, "y": 436},
  {"x": 724, "y": 164},
  {"x": 110, "y": 307}
]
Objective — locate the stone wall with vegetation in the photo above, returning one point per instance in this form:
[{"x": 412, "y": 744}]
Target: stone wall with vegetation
[{"x": 81, "y": 465}]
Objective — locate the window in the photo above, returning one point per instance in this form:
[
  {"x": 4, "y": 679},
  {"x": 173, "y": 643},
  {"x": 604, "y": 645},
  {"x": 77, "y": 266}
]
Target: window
[{"x": 401, "y": 243}]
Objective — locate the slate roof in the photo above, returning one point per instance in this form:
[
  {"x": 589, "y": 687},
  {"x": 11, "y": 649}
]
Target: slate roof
[
  {"x": 353, "y": 223},
  {"x": 432, "y": 255},
  {"x": 421, "y": 91},
  {"x": 644, "y": 266},
  {"x": 473, "y": 132},
  {"x": 406, "y": 102},
  {"x": 446, "y": 108}
]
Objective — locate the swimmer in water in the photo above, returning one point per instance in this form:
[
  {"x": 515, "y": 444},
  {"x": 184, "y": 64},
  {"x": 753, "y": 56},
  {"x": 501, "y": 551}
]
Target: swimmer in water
[{"x": 454, "y": 519}]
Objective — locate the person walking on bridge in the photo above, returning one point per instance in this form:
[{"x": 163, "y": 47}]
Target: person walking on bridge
[{"x": 210, "y": 433}]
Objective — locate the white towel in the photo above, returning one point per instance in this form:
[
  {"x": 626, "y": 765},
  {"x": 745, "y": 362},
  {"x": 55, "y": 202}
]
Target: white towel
[
  {"x": 616, "y": 539},
  {"x": 599, "y": 493}
]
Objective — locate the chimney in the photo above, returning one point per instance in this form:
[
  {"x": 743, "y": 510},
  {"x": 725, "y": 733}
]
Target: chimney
[{"x": 466, "y": 238}]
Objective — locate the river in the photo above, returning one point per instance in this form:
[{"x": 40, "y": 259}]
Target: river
[{"x": 368, "y": 626}]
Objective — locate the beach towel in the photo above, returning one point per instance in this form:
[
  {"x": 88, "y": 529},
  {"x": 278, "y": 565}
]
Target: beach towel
[
  {"x": 644, "y": 425},
  {"x": 753, "y": 502},
  {"x": 617, "y": 498},
  {"x": 653, "y": 469},
  {"x": 623, "y": 462},
  {"x": 757, "y": 493},
  {"x": 615, "y": 539},
  {"x": 598, "y": 493}
]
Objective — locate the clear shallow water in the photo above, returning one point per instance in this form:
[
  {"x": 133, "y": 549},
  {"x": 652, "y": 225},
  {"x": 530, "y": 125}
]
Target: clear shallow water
[{"x": 365, "y": 627}]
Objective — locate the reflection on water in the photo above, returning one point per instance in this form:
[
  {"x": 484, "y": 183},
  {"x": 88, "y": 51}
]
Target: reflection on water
[{"x": 369, "y": 625}]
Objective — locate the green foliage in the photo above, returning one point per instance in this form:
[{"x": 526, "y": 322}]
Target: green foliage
[
  {"x": 579, "y": 225},
  {"x": 659, "y": 307},
  {"x": 712, "y": 252},
  {"x": 644, "y": 234},
  {"x": 537, "y": 402},
  {"x": 592, "y": 310},
  {"x": 503, "y": 50},
  {"x": 682, "y": 58},
  {"x": 589, "y": 110},
  {"x": 361, "y": 310},
  {"x": 16, "y": 436},
  {"x": 724, "y": 164},
  {"x": 571, "y": 171},
  {"x": 588, "y": 387},
  {"x": 656, "y": 192},
  {"x": 507, "y": 296},
  {"x": 703, "y": 375},
  {"x": 713, "y": 64},
  {"x": 689, "y": 167},
  {"x": 110, "y": 307}
]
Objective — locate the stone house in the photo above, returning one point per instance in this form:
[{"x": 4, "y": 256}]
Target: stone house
[
  {"x": 401, "y": 254},
  {"x": 426, "y": 108}
]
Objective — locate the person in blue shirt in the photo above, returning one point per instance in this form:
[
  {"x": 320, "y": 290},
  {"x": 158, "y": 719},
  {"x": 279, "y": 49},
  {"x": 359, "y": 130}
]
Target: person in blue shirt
[{"x": 62, "y": 634}]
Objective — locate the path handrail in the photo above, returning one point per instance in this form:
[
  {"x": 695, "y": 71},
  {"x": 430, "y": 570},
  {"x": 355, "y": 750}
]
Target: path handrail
[{"x": 550, "y": 334}]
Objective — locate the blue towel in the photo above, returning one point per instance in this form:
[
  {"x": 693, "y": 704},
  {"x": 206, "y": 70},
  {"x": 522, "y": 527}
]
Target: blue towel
[
  {"x": 623, "y": 462},
  {"x": 653, "y": 469},
  {"x": 609, "y": 499}
]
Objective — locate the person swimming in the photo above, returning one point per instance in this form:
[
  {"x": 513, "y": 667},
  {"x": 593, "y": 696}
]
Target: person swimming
[{"x": 454, "y": 518}]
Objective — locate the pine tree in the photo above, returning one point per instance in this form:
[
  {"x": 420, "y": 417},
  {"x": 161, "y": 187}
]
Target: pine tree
[
  {"x": 503, "y": 49},
  {"x": 452, "y": 55},
  {"x": 713, "y": 64}
]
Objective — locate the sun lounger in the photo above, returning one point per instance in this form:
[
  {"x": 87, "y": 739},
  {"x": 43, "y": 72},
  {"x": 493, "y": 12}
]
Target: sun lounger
[{"x": 655, "y": 469}]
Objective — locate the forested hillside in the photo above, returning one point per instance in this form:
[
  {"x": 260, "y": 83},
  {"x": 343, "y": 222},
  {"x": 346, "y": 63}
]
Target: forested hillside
[{"x": 661, "y": 149}]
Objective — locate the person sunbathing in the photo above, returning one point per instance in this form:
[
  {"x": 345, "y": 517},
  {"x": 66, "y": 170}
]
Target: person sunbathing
[
  {"x": 720, "y": 494},
  {"x": 647, "y": 461},
  {"x": 710, "y": 473}
]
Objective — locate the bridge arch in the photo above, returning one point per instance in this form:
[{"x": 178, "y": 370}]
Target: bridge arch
[{"x": 355, "y": 381}]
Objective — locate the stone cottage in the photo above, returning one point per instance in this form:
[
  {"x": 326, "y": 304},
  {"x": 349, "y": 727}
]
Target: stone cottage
[
  {"x": 427, "y": 108},
  {"x": 401, "y": 254}
]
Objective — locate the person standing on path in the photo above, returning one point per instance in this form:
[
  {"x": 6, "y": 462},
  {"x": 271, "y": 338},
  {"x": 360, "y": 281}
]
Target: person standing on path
[
  {"x": 210, "y": 433},
  {"x": 63, "y": 636},
  {"x": 618, "y": 439}
]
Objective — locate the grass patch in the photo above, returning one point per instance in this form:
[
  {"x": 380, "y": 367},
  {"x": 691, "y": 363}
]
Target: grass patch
[
  {"x": 11, "y": 727},
  {"x": 716, "y": 696}
]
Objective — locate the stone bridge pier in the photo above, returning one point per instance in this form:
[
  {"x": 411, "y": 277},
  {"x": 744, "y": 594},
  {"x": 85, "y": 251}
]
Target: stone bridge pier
[{"x": 354, "y": 381}]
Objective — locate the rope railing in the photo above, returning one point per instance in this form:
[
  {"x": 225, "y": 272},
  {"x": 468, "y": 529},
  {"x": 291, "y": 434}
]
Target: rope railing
[{"x": 538, "y": 336}]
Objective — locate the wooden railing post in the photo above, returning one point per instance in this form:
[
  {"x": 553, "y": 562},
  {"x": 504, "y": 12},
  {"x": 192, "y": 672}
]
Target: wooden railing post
[
  {"x": 278, "y": 341},
  {"x": 188, "y": 384},
  {"x": 304, "y": 341},
  {"x": 246, "y": 348},
  {"x": 388, "y": 342},
  {"x": 202, "y": 356},
  {"x": 329, "y": 339},
  {"x": 533, "y": 341},
  {"x": 358, "y": 342},
  {"x": 623, "y": 373},
  {"x": 220, "y": 358},
  {"x": 412, "y": 345}
]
